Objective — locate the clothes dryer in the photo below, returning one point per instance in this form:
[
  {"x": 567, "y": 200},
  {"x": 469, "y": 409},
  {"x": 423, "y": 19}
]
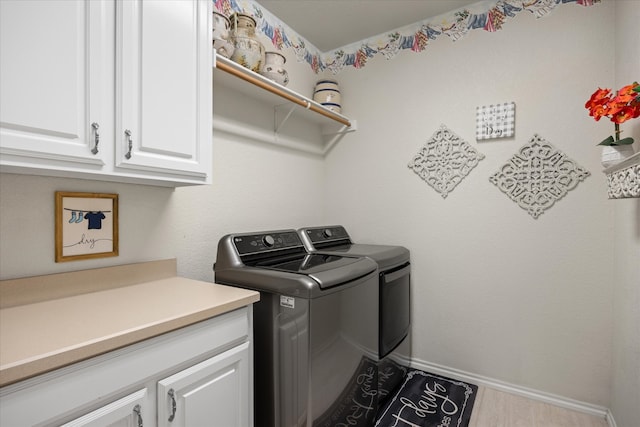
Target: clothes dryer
[{"x": 394, "y": 268}]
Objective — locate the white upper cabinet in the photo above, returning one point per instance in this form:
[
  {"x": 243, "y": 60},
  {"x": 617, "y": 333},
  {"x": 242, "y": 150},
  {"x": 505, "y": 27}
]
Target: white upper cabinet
[
  {"x": 163, "y": 87},
  {"x": 51, "y": 60},
  {"x": 74, "y": 101}
]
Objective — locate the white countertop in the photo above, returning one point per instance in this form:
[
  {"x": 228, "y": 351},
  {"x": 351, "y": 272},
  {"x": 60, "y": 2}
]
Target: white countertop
[{"x": 40, "y": 336}]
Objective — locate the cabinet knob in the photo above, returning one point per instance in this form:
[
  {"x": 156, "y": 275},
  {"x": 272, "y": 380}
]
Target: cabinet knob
[
  {"x": 96, "y": 137},
  {"x": 172, "y": 396},
  {"x": 127, "y": 133}
]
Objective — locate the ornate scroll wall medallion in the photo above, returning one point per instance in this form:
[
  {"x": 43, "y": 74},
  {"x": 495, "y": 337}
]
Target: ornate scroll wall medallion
[
  {"x": 445, "y": 160},
  {"x": 538, "y": 176}
]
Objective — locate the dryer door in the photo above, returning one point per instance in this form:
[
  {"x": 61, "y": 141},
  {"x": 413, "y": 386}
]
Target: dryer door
[{"x": 395, "y": 306}]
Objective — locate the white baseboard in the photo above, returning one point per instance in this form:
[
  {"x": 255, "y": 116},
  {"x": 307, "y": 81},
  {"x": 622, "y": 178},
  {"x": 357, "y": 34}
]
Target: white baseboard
[{"x": 553, "y": 399}]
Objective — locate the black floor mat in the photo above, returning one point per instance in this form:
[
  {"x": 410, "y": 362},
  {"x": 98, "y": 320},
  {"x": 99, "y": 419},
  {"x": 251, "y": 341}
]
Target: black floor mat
[
  {"x": 356, "y": 406},
  {"x": 429, "y": 400},
  {"x": 407, "y": 398}
]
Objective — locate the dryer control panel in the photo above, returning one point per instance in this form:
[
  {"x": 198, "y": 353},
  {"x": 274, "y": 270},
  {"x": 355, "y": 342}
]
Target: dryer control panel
[{"x": 327, "y": 234}]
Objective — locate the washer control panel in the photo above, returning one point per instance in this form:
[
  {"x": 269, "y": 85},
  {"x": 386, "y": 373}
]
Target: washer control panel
[{"x": 266, "y": 242}]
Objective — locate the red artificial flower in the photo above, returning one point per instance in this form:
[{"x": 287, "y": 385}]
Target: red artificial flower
[
  {"x": 624, "y": 106},
  {"x": 597, "y": 104}
]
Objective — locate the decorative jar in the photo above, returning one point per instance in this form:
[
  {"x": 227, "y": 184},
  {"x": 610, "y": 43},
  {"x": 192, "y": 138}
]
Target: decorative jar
[
  {"x": 327, "y": 93},
  {"x": 221, "y": 39},
  {"x": 273, "y": 68},
  {"x": 249, "y": 52}
]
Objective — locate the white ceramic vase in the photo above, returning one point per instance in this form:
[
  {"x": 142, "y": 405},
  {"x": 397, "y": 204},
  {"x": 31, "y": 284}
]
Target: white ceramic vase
[
  {"x": 614, "y": 154},
  {"x": 221, "y": 37},
  {"x": 327, "y": 93},
  {"x": 273, "y": 68},
  {"x": 249, "y": 52}
]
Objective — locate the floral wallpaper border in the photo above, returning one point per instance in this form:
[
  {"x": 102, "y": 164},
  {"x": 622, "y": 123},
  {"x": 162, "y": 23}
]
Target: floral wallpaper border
[{"x": 488, "y": 15}]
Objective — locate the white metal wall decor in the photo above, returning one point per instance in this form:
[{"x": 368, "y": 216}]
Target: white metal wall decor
[
  {"x": 495, "y": 121},
  {"x": 537, "y": 176},
  {"x": 624, "y": 182},
  {"x": 445, "y": 160}
]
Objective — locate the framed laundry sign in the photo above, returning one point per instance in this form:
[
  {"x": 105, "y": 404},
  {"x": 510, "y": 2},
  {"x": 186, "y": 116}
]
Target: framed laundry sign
[{"x": 86, "y": 226}]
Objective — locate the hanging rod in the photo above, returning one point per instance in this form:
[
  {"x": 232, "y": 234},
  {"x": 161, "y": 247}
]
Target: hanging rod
[{"x": 243, "y": 73}]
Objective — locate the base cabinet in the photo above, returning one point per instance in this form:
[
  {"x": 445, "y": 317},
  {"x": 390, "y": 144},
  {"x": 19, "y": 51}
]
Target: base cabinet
[{"x": 199, "y": 375}]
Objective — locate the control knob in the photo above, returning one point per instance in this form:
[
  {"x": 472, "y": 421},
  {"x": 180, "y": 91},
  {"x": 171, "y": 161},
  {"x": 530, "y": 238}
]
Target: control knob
[
  {"x": 327, "y": 233},
  {"x": 268, "y": 241}
]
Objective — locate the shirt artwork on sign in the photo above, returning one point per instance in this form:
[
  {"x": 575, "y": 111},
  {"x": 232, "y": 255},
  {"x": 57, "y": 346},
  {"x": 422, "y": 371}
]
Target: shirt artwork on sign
[{"x": 95, "y": 220}]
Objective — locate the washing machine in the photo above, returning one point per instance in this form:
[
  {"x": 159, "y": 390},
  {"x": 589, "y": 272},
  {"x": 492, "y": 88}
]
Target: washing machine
[
  {"x": 315, "y": 329},
  {"x": 394, "y": 268}
]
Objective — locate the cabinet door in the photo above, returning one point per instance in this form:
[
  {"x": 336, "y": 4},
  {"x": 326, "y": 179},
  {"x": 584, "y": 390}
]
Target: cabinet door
[
  {"x": 51, "y": 60},
  {"x": 214, "y": 393},
  {"x": 164, "y": 87},
  {"x": 132, "y": 410}
]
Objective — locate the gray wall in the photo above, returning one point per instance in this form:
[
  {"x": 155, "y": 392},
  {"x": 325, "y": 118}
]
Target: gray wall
[
  {"x": 496, "y": 293},
  {"x": 625, "y": 384}
]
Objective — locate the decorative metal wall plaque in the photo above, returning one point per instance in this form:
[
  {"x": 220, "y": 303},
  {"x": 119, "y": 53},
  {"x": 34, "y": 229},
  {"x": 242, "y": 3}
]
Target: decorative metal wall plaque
[
  {"x": 495, "y": 121},
  {"x": 624, "y": 183},
  {"x": 445, "y": 160},
  {"x": 538, "y": 176}
]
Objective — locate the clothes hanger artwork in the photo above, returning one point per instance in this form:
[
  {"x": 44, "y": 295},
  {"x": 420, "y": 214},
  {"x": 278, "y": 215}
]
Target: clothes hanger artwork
[{"x": 94, "y": 218}]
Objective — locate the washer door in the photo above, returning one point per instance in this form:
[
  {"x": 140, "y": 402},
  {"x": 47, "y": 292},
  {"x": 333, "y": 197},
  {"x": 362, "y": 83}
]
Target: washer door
[{"x": 343, "y": 356}]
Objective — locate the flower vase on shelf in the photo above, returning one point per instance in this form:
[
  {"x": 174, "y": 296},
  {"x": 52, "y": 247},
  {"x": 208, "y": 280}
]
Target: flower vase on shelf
[
  {"x": 614, "y": 154},
  {"x": 616, "y": 150},
  {"x": 623, "y": 106},
  {"x": 249, "y": 52}
]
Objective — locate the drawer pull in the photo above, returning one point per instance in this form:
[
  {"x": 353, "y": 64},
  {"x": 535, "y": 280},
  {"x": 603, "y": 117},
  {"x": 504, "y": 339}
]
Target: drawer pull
[{"x": 172, "y": 395}]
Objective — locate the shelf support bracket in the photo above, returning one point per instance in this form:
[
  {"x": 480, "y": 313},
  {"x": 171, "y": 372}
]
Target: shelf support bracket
[{"x": 277, "y": 126}]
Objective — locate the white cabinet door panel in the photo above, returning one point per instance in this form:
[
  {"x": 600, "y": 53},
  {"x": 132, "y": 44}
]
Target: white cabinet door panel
[
  {"x": 212, "y": 393},
  {"x": 51, "y": 78},
  {"x": 163, "y": 86}
]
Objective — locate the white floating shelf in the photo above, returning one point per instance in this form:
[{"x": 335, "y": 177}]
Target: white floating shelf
[{"x": 287, "y": 104}]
